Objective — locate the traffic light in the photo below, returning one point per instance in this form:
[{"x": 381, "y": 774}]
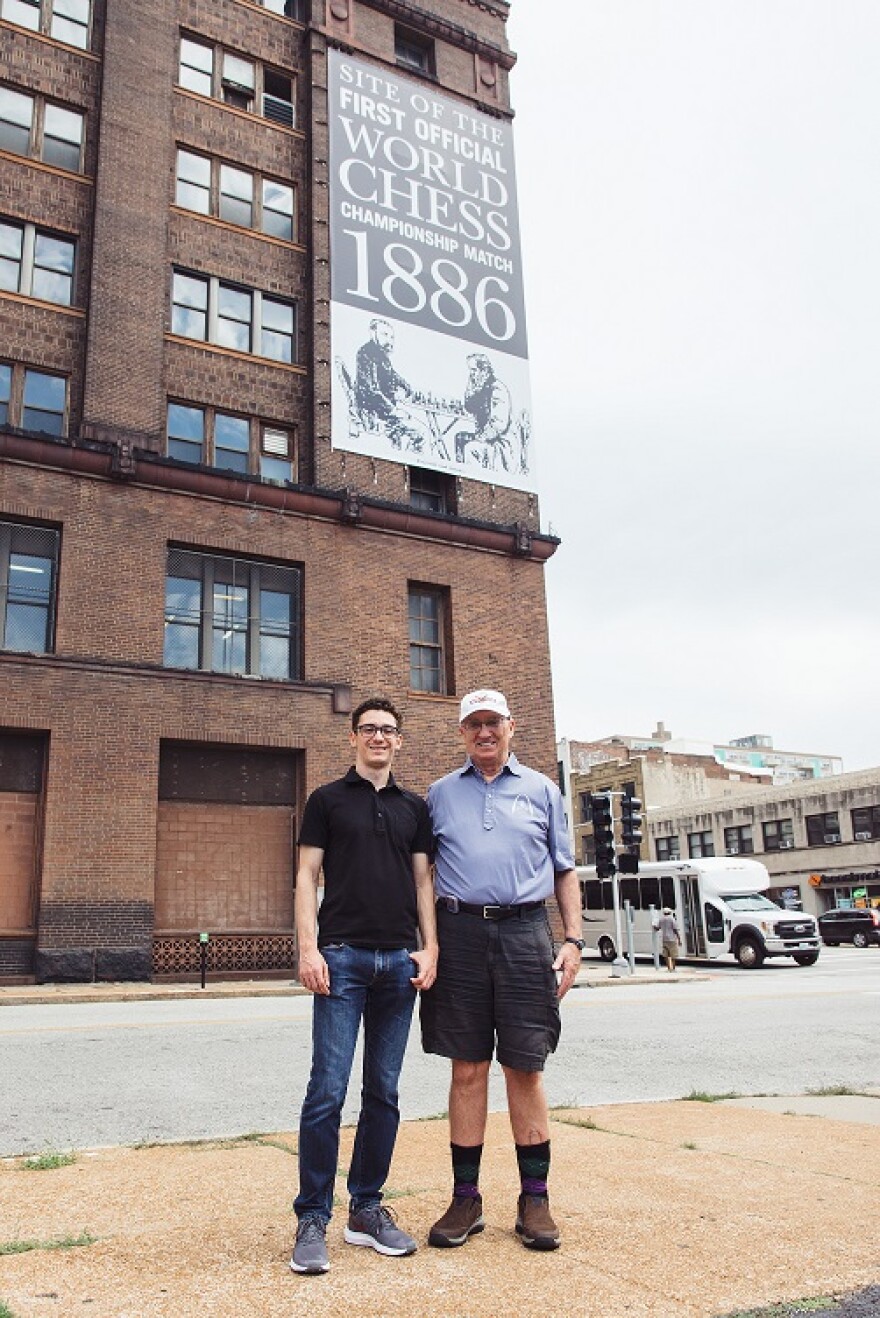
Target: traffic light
[
  {"x": 603, "y": 834},
  {"x": 631, "y": 821},
  {"x": 630, "y": 833}
]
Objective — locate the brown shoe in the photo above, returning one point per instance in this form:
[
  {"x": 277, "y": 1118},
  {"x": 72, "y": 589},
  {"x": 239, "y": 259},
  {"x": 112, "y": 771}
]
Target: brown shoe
[
  {"x": 534, "y": 1223},
  {"x": 463, "y": 1218}
]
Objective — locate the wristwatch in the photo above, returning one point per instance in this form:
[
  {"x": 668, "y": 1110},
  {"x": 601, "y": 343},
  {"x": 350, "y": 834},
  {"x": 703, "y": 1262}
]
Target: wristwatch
[{"x": 578, "y": 942}]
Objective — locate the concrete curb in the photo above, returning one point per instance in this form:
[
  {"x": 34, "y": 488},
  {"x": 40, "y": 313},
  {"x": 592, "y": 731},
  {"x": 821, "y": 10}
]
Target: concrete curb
[{"x": 30, "y": 995}]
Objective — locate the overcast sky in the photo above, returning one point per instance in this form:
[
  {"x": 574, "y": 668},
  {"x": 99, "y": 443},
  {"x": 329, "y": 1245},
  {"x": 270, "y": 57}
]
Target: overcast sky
[{"x": 700, "y": 206}]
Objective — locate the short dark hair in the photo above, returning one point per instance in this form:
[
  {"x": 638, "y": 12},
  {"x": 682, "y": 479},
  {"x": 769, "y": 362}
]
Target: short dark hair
[{"x": 375, "y": 702}]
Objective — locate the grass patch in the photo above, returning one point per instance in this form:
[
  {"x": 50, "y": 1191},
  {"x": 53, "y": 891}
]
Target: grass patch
[
  {"x": 585, "y": 1123},
  {"x": 47, "y": 1162},
  {"x": 435, "y": 1116},
  {"x": 689, "y": 1144},
  {"x": 701, "y": 1096},
  {"x": 833, "y": 1091},
  {"x": 5, "y": 1311},
  {"x": 788, "y": 1309},
  {"x": 60, "y": 1242},
  {"x": 235, "y": 1142}
]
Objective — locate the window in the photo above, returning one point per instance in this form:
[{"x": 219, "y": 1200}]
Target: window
[
  {"x": 823, "y": 830},
  {"x": 738, "y": 840},
  {"x": 432, "y": 491},
  {"x": 235, "y": 195},
  {"x": 193, "y": 182},
  {"x": 701, "y": 844},
  {"x": 584, "y": 802},
  {"x": 16, "y": 121},
  {"x": 44, "y": 402},
  {"x": 277, "y": 218},
  {"x": 32, "y": 127},
  {"x": 70, "y": 22},
  {"x": 866, "y": 823},
  {"x": 232, "y": 442},
  {"x": 36, "y": 263},
  {"x": 667, "y": 848},
  {"x": 778, "y": 835},
  {"x": 62, "y": 138},
  {"x": 238, "y": 81},
  {"x": 278, "y": 98},
  {"x": 232, "y": 615},
  {"x": 222, "y": 439},
  {"x": 427, "y": 620},
  {"x": 414, "y": 51},
  {"x": 26, "y": 13},
  {"x": 32, "y": 400},
  {"x": 288, "y": 8},
  {"x": 277, "y": 452},
  {"x": 241, "y": 83},
  {"x": 234, "y": 318},
  {"x": 714, "y": 919},
  {"x": 186, "y": 432},
  {"x": 196, "y": 66},
  {"x": 28, "y": 563},
  {"x": 189, "y": 313},
  {"x": 65, "y": 20},
  {"x": 204, "y": 308}
]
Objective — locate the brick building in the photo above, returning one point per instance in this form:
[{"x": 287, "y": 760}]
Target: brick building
[{"x": 197, "y": 583}]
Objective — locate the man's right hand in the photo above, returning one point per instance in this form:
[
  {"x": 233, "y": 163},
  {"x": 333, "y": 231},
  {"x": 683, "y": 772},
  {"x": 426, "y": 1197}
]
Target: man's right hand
[{"x": 313, "y": 972}]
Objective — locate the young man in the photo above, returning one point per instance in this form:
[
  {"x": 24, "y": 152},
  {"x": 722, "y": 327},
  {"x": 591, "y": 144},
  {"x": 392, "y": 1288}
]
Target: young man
[
  {"x": 372, "y": 839},
  {"x": 501, "y": 849}
]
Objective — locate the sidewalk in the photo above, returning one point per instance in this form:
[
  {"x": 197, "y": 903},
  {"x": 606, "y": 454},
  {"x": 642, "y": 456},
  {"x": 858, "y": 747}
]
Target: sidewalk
[
  {"x": 594, "y": 974},
  {"x": 668, "y": 1210}
]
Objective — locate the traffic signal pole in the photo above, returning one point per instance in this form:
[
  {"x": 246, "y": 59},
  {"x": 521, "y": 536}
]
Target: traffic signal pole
[{"x": 609, "y": 865}]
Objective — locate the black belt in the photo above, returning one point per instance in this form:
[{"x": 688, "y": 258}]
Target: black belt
[{"x": 487, "y": 912}]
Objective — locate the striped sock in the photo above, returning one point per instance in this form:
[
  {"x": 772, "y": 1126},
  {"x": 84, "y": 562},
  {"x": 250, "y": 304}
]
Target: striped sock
[
  {"x": 466, "y": 1170},
  {"x": 534, "y": 1166}
]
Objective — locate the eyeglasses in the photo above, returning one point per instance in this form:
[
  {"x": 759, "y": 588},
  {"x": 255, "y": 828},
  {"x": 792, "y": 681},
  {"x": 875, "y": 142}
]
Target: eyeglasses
[
  {"x": 371, "y": 730},
  {"x": 474, "y": 724}
]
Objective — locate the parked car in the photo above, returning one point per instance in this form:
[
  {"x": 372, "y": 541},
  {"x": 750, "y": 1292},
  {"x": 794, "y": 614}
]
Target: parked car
[{"x": 850, "y": 925}]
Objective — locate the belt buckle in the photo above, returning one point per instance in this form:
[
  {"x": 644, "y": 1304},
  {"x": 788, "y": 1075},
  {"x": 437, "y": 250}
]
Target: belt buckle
[{"x": 487, "y": 909}]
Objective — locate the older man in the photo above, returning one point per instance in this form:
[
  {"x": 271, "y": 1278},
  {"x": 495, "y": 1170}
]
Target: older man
[{"x": 501, "y": 849}]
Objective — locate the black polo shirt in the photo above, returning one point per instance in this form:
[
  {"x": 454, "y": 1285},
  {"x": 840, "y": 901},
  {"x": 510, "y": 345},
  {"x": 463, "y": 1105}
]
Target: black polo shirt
[{"x": 368, "y": 838}]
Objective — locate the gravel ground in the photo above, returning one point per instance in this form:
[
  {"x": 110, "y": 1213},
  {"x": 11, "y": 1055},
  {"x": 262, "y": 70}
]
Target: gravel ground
[{"x": 668, "y": 1210}]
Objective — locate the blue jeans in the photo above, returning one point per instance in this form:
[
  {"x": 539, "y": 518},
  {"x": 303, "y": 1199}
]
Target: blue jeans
[{"x": 374, "y": 985}]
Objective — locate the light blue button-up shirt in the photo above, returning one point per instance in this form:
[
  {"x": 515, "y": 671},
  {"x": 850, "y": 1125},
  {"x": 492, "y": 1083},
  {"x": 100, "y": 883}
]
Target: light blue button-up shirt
[{"x": 500, "y": 842}]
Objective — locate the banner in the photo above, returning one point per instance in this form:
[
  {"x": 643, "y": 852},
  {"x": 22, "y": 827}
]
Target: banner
[{"x": 427, "y": 322}]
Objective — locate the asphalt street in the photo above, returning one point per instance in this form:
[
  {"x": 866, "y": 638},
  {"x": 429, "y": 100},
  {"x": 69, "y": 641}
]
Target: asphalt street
[{"x": 81, "y": 1075}]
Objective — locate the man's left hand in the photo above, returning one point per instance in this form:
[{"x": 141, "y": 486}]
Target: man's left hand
[{"x": 569, "y": 963}]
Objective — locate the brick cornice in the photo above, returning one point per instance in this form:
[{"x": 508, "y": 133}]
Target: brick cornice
[
  {"x": 105, "y": 460},
  {"x": 455, "y": 33}
]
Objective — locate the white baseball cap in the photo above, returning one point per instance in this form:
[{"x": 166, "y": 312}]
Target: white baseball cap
[{"x": 474, "y": 701}]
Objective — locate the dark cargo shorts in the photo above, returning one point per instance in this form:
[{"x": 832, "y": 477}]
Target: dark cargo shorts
[{"x": 495, "y": 991}]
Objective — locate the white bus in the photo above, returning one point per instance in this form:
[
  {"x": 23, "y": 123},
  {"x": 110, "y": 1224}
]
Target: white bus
[{"x": 720, "y": 905}]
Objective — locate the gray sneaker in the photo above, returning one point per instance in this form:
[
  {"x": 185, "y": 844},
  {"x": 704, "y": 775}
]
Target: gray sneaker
[
  {"x": 374, "y": 1226},
  {"x": 310, "y": 1250}
]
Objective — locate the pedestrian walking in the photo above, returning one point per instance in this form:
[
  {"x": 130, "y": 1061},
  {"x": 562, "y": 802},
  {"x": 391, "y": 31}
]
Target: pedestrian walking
[
  {"x": 501, "y": 851},
  {"x": 359, "y": 955},
  {"x": 670, "y": 938}
]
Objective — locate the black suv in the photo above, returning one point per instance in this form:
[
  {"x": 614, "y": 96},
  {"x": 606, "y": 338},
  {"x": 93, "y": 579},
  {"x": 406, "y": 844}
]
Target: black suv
[{"x": 850, "y": 925}]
